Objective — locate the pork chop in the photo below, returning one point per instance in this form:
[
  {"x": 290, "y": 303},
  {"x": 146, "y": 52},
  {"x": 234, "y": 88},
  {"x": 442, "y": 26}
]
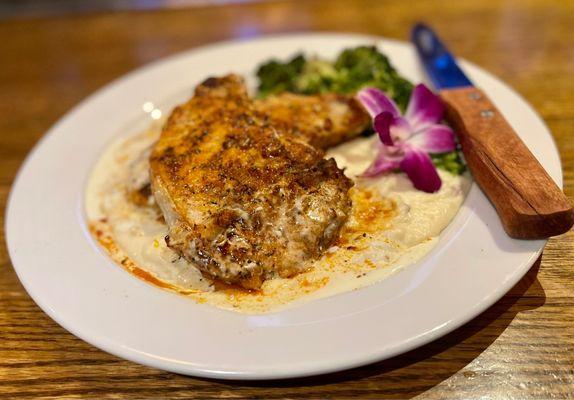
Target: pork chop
[
  {"x": 244, "y": 200},
  {"x": 323, "y": 121}
]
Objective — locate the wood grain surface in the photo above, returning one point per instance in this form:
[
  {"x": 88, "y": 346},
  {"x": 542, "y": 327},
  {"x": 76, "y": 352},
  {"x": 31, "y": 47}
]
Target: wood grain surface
[{"x": 522, "y": 347}]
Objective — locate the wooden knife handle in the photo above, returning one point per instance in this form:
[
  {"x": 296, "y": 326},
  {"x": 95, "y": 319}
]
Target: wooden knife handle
[{"x": 529, "y": 203}]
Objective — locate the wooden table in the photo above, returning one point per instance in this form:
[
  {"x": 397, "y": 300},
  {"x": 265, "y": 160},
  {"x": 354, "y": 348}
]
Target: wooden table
[{"x": 522, "y": 347}]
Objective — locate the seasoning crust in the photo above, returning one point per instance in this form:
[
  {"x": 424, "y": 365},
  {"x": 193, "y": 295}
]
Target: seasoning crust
[{"x": 244, "y": 199}]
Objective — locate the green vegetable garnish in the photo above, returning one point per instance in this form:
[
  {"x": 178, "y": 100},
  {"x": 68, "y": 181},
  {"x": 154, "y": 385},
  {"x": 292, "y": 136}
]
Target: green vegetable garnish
[
  {"x": 366, "y": 66},
  {"x": 276, "y": 77},
  {"x": 352, "y": 70},
  {"x": 451, "y": 162}
]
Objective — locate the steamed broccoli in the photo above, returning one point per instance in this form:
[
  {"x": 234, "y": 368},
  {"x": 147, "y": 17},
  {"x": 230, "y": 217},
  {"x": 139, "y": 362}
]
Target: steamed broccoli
[
  {"x": 276, "y": 77},
  {"x": 318, "y": 76},
  {"x": 352, "y": 70},
  {"x": 451, "y": 162},
  {"x": 366, "y": 66}
]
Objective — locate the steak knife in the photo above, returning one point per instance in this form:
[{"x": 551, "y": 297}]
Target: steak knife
[{"x": 528, "y": 201}]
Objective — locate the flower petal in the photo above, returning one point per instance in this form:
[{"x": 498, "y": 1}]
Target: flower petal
[
  {"x": 434, "y": 139},
  {"x": 376, "y": 102},
  {"x": 383, "y": 163},
  {"x": 421, "y": 171},
  {"x": 425, "y": 108},
  {"x": 382, "y": 124},
  {"x": 391, "y": 130},
  {"x": 400, "y": 130}
]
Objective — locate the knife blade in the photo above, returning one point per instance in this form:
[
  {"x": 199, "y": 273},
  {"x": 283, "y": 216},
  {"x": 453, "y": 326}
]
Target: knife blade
[{"x": 528, "y": 201}]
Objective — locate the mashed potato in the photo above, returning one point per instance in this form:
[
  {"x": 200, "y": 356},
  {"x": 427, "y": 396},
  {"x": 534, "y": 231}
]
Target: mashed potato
[{"x": 392, "y": 225}]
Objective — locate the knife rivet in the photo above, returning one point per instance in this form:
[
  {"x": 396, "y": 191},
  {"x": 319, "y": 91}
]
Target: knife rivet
[
  {"x": 487, "y": 113},
  {"x": 474, "y": 96}
]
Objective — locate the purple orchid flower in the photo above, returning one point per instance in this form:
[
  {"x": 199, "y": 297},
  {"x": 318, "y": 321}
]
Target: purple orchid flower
[{"x": 406, "y": 141}]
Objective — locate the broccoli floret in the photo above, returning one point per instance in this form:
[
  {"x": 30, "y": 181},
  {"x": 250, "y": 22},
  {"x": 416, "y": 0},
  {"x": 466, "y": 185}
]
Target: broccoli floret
[
  {"x": 352, "y": 70},
  {"x": 451, "y": 162},
  {"x": 276, "y": 77},
  {"x": 317, "y": 76},
  {"x": 366, "y": 66}
]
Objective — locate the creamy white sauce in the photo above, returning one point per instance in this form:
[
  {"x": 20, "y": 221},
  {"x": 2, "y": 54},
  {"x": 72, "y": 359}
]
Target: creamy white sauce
[{"x": 393, "y": 225}]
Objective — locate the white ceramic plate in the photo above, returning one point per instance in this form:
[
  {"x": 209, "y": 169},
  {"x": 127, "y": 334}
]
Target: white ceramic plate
[{"x": 74, "y": 282}]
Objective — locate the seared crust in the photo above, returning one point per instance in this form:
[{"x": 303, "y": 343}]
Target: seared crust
[
  {"x": 243, "y": 200},
  {"x": 323, "y": 121}
]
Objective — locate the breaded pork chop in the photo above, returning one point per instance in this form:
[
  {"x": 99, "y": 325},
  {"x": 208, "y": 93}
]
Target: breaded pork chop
[
  {"x": 323, "y": 121},
  {"x": 243, "y": 200}
]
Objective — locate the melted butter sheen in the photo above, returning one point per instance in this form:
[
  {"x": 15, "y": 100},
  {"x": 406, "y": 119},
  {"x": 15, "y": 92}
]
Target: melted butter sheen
[{"x": 391, "y": 226}]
